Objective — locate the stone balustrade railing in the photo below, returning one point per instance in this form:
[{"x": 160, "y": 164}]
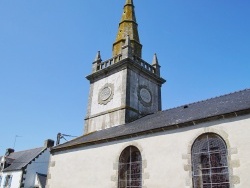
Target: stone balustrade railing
[
  {"x": 137, "y": 60},
  {"x": 109, "y": 62},
  {"x": 144, "y": 64}
]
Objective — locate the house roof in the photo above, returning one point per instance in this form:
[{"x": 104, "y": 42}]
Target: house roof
[
  {"x": 229, "y": 105},
  {"x": 42, "y": 179},
  {"x": 22, "y": 158}
]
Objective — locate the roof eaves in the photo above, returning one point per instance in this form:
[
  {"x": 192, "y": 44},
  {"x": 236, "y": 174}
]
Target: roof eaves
[
  {"x": 25, "y": 164},
  {"x": 34, "y": 157},
  {"x": 155, "y": 130}
]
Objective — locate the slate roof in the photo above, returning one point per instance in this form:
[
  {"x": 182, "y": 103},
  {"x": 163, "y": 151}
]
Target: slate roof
[
  {"x": 214, "y": 108},
  {"x": 42, "y": 179},
  {"x": 22, "y": 158}
]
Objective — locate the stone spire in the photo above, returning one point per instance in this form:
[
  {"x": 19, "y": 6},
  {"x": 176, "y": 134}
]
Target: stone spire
[{"x": 128, "y": 26}]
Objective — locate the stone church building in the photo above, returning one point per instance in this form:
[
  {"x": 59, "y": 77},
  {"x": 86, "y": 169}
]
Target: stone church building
[{"x": 129, "y": 142}]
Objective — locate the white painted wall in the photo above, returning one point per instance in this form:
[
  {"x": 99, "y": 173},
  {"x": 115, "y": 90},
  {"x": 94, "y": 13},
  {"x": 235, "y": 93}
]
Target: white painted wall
[
  {"x": 116, "y": 102},
  {"x": 16, "y": 178},
  {"x": 109, "y": 119},
  {"x": 163, "y": 157}
]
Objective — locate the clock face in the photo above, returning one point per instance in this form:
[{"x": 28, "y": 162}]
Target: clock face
[
  {"x": 144, "y": 96},
  {"x": 106, "y": 94}
]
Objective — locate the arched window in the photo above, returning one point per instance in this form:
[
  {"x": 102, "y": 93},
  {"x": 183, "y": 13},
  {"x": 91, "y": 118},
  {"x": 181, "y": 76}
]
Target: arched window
[
  {"x": 130, "y": 165},
  {"x": 209, "y": 162}
]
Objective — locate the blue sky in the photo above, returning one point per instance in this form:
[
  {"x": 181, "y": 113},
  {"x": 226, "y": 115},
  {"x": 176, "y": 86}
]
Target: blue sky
[{"x": 47, "y": 48}]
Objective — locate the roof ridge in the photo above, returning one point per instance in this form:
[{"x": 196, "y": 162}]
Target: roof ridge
[
  {"x": 29, "y": 149},
  {"x": 192, "y": 103}
]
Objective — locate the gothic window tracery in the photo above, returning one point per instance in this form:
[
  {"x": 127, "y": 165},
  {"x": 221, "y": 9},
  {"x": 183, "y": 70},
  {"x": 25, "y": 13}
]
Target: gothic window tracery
[
  {"x": 210, "y": 162},
  {"x": 130, "y": 168}
]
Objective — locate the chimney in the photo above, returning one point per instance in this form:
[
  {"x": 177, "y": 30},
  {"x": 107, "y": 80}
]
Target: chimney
[
  {"x": 48, "y": 143},
  {"x": 9, "y": 151}
]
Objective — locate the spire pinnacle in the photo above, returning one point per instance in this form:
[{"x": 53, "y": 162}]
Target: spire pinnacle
[
  {"x": 156, "y": 65},
  {"x": 128, "y": 26},
  {"x": 98, "y": 56},
  {"x": 127, "y": 41},
  {"x": 129, "y": 2},
  {"x": 127, "y": 49},
  {"x": 155, "y": 60}
]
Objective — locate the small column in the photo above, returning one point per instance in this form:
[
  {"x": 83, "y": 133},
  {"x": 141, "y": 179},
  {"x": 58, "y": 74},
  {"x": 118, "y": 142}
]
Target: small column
[
  {"x": 156, "y": 65},
  {"x": 96, "y": 62},
  {"x": 127, "y": 48}
]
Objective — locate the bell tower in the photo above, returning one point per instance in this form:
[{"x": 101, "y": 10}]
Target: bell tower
[{"x": 125, "y": 87}]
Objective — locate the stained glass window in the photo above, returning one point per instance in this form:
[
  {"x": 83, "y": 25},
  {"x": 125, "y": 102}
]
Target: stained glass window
[
  {"x": 130, "y": 168},
  {"x": 209, "y": 162}
]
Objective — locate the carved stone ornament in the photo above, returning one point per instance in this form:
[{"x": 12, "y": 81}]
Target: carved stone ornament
[
  {"x": 144, "y": 95},
  {"x": 106, "y": 94}
]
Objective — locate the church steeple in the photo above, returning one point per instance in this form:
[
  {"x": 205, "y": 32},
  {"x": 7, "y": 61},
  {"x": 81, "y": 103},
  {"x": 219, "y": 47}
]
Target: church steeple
[
  {"x": 128, "y": 26},
  {"x": 124, "y": 87}
]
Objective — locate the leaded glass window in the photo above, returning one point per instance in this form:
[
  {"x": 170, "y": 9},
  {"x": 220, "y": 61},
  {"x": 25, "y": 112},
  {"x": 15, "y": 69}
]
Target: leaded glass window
[
  {"x": 209, "y": 162},
  {"x": 130, "y": 168}
]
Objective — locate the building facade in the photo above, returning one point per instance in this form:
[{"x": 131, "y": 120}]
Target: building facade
[
  {"x": 129, "y": 142},
  {"x": 19, "y": 169}
]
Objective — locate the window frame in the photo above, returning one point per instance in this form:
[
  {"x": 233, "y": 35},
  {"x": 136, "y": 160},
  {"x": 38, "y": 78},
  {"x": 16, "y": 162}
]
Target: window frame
[
  {"x": 130, "y": 168},
  {"x": 214, "y": 160}
]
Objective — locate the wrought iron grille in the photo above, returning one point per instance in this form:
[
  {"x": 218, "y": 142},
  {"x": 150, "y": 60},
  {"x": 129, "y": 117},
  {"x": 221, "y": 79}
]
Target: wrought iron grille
[
  {"x": 130, "y": 165},
  {"x": 209, "y": 162}
]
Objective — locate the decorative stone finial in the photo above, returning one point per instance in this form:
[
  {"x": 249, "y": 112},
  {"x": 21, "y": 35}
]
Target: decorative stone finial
[
  {"x": 155, "y": 60},
  {"x": 156, "y": 65},
  {"x": 127, "y": 41},
  {"x": 98, "y": 56},
  {"x": 127, "y": 48},
  {"x": 129, "y": 2},
  {"x": 96, "y": 62}
]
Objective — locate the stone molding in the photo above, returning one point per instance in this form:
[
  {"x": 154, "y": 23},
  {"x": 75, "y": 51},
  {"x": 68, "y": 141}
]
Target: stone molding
[
  {"x": 106, "y": 94},
  {"x": 121, "y": 65},
  {"x": 113, "y": 110},
  {"x": 142, "y": 98}
]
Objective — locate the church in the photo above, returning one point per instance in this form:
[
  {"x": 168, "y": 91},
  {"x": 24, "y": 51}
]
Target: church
[{"x": 130, "y": 142}]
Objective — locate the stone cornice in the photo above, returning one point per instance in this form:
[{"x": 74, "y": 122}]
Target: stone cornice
[{"x": 127, "y": 63}]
